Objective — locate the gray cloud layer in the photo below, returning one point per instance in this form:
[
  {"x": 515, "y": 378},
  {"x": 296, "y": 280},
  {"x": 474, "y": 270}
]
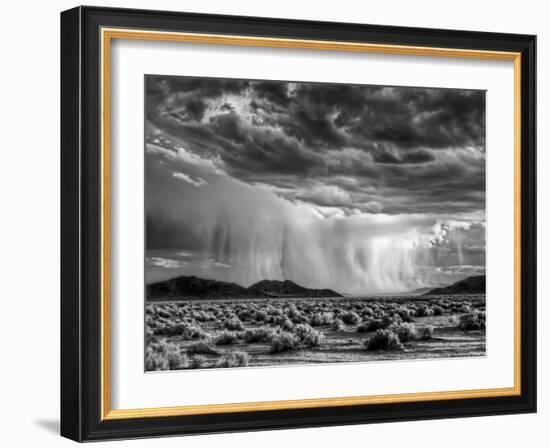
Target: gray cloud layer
[{"x": 403, "y": 147}]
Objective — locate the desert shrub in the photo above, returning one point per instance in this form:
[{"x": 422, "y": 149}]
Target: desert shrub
[
  {"x": 260, "y": 316},
  {"x": 392, "y": 319},
  {"x": 371, "y": 325},
  {"x": 291, "y": 311},
  {"x": 465, "y": 308},
  {"x": 405, "y": 331},
  {"x": 424, "y": 310},
  {"x": 284, "y": 341},
  {"x": 198, "y": 362},
  {"x": 337, "y": 324},
  {"x": 367, "y": 311},
  {"x": 164, "y": 356},
  {"x": 202, "y": 348},
  {"x": 274, "y": 311},
  {"x": 365, "y": 326},
  {"x": 474, "y": 320},
  {"x": 187, "y": 330},
  {"x": 191, "y": 330},
  {"x": 225, "y": 338},
  {"x": 275, "y": 320},
  {"x": 287, "y": 324},
  {"x": 202, "y": 316},
  {"x": 244, "y": 315},
  {"x": 233, "y": 324},
  {"x": 262, "y": 334},
  {"x": 316, "y": 320},
  {"x": 438, "y": 310},
  {"x": 307, "y": 335},
  {"x": 233, "y": 359},
  {"x": 351, "y": 318},
  {"x": 163, "y": 313},
  {"x": 298, "y": 318},
  {"x": 383, "y": 340},
  {"x": 171, "y": 328},
  {"x": 321, "y": 318},
  {"x": 405, "y": 314},
  {"x": 424, "y": 333}
]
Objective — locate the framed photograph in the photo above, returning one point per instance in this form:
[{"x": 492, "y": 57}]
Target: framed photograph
[{"x": 277, "y": 224}]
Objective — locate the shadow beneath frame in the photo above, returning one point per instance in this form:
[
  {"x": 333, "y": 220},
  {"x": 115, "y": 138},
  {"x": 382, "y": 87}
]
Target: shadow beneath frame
[{"x": 50, "y": 425}]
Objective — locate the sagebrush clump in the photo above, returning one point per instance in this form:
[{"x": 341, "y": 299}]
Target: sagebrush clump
[
  {"x": 202, "y": 348},
  {"x": 262, "y": 334},
  {"x": 284, "y": 341},
  {"x": 164, "y": 356},
  {"x": 226, "y": 338},
  {"x": 351, "y": 318},
  {"x": 474, "y": 320},
  {"x": 233, "y": 324},
  {"x": 406, "y": 332},
  {"x": 233, "y": 359},
  {"x": 383, "y": 340},
  {"x": 307, "y": 336}
]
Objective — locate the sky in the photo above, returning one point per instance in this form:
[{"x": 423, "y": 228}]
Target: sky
[{"x": 358, "y": 188}]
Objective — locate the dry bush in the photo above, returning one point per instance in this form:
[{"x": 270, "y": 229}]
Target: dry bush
[
  {"x": 406, "y": 314},
  {"x": 474, "y": 320},
  {"x": 374, "y": 324},
  {"x": 262, "y": 334},
  {"x": 225, "y": 338},
  {"x": 233, "y": 359},
  {"x": 425, "y": 333},
  {"x": 383, "y": 340},
  {"x": 202, "y": 348},
  {"x": 233, "y": 324},
  {"x": 260, "y": 316},
  {"x": 308, "y": 336},
  {"x": 406, "y": 331},
  {"x": 465, "y": 308},
  {"x": 424, "y": 310},
  {"x": 367, "y": 311},
  {"x": 203, "y": 316},
  {"x": 296, "y": 316},
  {"x": 287, "y": 324},
  {"x": 284, "y": 341},
  {"x": 438, "y": 310},
  {"x": 187, "y": 330},
  {"x": 244, "y": 315},
  {"x": 338, "y": 324},
  {"x": 351, "y": 318},
  {"x": 198, "y": 362},
  {"x": 321, "y": 318},
  {"x": 164, "y": 355},
  {"x": 163, "y": 312}
]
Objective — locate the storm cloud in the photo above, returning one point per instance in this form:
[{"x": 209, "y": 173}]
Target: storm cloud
[{"x": 384, "y": 185}]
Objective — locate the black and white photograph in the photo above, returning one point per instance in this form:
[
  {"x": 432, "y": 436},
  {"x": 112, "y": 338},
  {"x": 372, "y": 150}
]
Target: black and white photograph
[{"x": 291, "y": 223}]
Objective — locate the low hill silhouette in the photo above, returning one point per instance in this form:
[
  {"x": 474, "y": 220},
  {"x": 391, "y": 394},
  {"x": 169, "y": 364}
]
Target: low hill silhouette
[
  {"x": 470, "y": 285},
  {"x": 197, "y": 288}
]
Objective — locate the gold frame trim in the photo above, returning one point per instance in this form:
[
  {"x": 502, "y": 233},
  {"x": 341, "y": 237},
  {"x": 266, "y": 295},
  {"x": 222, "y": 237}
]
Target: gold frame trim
[{"x": 107, "y": 35}]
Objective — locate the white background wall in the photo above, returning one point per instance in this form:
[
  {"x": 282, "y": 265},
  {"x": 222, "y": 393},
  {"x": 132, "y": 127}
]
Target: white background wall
[{"x": 29, "y": 227}]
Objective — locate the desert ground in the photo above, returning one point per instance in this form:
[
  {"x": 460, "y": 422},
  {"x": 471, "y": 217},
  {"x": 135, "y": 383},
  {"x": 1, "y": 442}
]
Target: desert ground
[{"x": 271, "y": 332}]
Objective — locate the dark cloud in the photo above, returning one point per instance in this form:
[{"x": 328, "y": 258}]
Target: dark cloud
[{"x": 407, "y": 149}]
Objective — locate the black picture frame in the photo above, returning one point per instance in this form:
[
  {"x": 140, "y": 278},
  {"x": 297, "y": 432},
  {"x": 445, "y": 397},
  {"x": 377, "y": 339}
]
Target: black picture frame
[{"x": 81, "y": 414}]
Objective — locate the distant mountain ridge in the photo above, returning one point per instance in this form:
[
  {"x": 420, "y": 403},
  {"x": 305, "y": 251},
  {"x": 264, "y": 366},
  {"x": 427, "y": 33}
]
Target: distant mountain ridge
[
  {"x": 195, "y": 287},
  {"x": 470, "y": 285}
]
